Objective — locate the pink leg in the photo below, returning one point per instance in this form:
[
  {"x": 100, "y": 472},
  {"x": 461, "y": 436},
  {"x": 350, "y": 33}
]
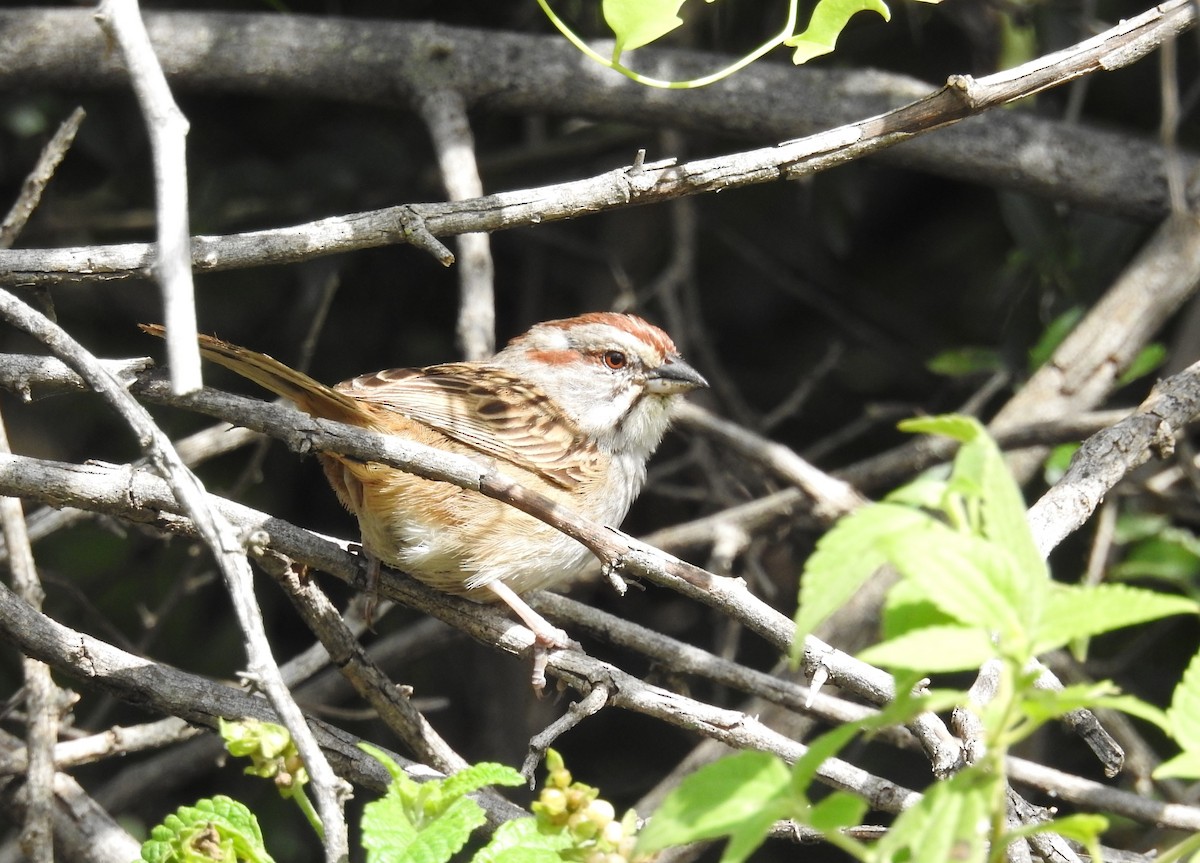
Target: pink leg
[{"x": 546, "y": 636}]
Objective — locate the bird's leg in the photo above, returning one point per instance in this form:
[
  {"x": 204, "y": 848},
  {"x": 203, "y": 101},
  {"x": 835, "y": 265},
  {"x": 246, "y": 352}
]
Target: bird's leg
[
  {"x": 374, "y": 573},
  {"x": 547, "y": 637}
]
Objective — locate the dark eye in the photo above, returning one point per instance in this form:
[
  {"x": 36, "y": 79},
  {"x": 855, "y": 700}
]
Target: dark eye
[{"x": 615, "y": 359}]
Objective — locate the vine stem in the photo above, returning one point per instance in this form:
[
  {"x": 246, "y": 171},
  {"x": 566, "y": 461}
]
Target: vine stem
[{"x": 789, "y": 29}]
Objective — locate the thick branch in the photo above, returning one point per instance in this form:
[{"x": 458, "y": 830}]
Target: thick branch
[
  {"x": 639, "y": 184},
  {"x": 386, "y": 62}
]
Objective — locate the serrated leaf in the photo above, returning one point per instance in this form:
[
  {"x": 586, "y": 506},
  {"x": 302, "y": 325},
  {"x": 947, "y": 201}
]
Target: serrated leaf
[
  {"x": 1005, "y": 524},
  {"x": 740, "y": 796},
  {"x": 845, "y": 558},
  {"x": 216, "y": 829},
  {"x": 520, "y": 841},
  {"x": 1080, "y": 611},
  {"x": 933, "y": 649},
  {"x": 478, "y": 776},
  {"x": 981, "y": 472},
  {"x": 949, "y": 823},
  {"x": 965, "y": 576},
  {"x": 390, "y": 837},
  {"x": 1184, "y": 718},
  {"x": 829, "y": 18},
  {"x": 1042, "y": 705},
  {"x": 387, "y": 828},
  {"x": 639, "y": 22}
]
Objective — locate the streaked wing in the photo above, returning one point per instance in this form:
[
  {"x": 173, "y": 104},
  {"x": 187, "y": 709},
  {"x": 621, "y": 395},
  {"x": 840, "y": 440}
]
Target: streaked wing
[{"x": 508, "y": 419}]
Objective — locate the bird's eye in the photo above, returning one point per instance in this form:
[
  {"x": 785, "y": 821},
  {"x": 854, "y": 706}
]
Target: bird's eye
[{"x": 615, "y": 359}]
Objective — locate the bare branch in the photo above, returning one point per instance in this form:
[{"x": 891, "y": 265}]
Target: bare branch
[
  {"x": 1089, "y": 362},
  {"x": 445, "y": 113},
  {"x": 31, "y": 192},
  {"x": 257, "y": 54},
  {"x": 37, "y": 836},
  {"x": 1108, "y": 456},
  {"x": 122, "y": 22},
  {"x": 224, "y": 544},
  {"x": 961, "y": 97}
]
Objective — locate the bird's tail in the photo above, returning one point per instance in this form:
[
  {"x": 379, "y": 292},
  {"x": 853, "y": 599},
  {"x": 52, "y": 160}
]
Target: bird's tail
[{"x": 310, "y": 395}]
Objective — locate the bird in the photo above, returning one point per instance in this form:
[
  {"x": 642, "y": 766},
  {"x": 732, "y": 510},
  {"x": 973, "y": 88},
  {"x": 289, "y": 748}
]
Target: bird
[{"x": 572, "y": 408}]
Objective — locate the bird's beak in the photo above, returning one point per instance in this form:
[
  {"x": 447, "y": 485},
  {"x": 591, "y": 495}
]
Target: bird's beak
[{"x": 674, "y": 376}]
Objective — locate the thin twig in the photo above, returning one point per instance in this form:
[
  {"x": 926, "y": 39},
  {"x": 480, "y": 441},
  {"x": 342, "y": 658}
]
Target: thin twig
[
  {"x": 31, "y": 192},
  {"x": 393, "y": 706},
  {"x": 962, "y": 96},
  {"x": 445, "y": 114},
  {"x": 122, "y": 22},
  {"x": 37, "y": 835},
  {"x": 115, "y": 489},
  {"x": 225, "y": 546}
]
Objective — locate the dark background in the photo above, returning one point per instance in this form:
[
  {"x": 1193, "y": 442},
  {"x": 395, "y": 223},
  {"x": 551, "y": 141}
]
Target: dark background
[{"x": 887, "y": 267}]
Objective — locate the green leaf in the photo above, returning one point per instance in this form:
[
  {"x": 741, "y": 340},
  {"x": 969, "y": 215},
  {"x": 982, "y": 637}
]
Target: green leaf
[
  {"x": 426, "y": 822},
  {"x": 388, "y": 830},
  {"x": 817, "y": 752},
  {"x": 948, "y": 824},
  {"x": 1053, "y": 336},
  {"x": 1169, "y": 557},
  {"x": 1079, "y": 611},
  {"x": 520, "y": 841},
  {"x": 840, "y": 809},
  {"x": 1042, "y": 705},
  {"x": 1134, "y": 526},
  {"x": 1148, "y": 359},
  {"x": 1184, "y": 718},
  {"x": 479, "y": 776},
  {"x": 1083, "y": 828},
  {"x": 1185, "y": 765},
  {"x": 1004, "y": 523},
  {"x": 932, "y": 649},
  {"x": 639, "y": 22},
  {"x": 961, "y": 362},
  {"x": 907, "y": 608},
  {"x": 965, "y": 576},
  {"x": 740, "y": 796},
  {"x": 829, "y": 18},
  {"x": 389, "y": 763},
  {"x": 1018, "y": 43},
  {"x": 216, "y": 829},
  {"x": 980, "y": 472},
  {"x": 924, "y": 492},
  {"x": 1058, "y": 461},
  {"x": 389, "y": 837},
  {"x": 957, "y": 426},
  {"x": 845, "y": 558}
]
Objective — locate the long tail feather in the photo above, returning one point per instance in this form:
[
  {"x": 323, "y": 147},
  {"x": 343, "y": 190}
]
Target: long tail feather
[{"x": 310, "y": 395}]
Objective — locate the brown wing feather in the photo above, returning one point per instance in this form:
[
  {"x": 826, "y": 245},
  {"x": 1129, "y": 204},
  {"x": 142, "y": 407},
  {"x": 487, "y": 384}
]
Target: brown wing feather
[{"x": 513, "y": 421}]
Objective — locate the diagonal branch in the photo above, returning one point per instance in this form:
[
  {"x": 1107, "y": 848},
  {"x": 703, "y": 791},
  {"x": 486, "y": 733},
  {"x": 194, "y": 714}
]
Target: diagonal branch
[
  {"x": 219, "y": 536},
  {"x": 961, "y": 97}
]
